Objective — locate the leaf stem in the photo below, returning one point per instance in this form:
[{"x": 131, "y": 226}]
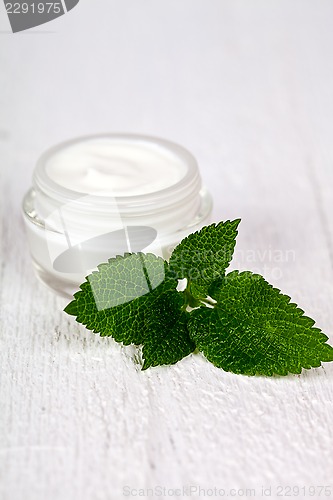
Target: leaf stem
[
  {"x": 208, "y": 302},
  {"x": 189, "y": 299}
]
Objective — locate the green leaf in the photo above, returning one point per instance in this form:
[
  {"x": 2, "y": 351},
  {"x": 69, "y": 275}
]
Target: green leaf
[
  {"x": 167, "y": 338},
  {"x": 203, "y": 257},
  {"x": 255, "y": 330},
  {"x": 113, "y": 300}
]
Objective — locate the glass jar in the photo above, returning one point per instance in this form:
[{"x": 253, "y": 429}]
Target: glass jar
[{"x": 100, "y": 196}]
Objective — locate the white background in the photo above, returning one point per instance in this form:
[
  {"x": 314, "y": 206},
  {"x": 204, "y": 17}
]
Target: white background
[{"x": 247, "y": 86}]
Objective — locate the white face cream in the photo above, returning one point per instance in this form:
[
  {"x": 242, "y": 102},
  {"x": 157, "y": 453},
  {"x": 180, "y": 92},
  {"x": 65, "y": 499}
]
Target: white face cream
[
  {"x": 115, "y": 166},
  {"x": 97, "y": 197}
]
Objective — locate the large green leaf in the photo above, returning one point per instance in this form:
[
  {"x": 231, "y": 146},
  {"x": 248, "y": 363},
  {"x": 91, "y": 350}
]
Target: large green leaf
[
  {"x": 113, "y": 300},
  {"x": 254, "y": 329}
]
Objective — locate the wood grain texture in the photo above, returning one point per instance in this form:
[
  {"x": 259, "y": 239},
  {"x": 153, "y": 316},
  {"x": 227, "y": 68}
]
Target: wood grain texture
[{"x": 247, "y": 87}]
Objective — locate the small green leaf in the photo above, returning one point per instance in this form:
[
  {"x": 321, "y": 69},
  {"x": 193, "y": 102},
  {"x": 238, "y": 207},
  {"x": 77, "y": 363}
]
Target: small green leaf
[
  {"x": 167, "y": 338},
  {"x": 255, "y": 330},
  {"x": 112, "y": 301},
  {"x": 203, "y": 257}
]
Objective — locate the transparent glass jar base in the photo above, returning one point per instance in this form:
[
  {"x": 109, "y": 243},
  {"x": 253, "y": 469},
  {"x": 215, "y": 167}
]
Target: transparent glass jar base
[
  {"x": 61, "y": 287},
  {"x": 64, "y": 286}
]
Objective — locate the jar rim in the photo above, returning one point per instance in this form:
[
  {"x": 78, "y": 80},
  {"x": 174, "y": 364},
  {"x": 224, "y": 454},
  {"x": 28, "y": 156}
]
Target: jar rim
[{"x": 189, "y": 184}]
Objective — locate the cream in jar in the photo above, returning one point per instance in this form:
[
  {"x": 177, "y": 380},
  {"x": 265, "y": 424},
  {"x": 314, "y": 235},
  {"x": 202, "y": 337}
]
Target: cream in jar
[{"x": 96, "y": 197}]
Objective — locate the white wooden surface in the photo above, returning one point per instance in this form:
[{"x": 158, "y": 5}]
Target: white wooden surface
[{"x": 247, "y": 87}]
